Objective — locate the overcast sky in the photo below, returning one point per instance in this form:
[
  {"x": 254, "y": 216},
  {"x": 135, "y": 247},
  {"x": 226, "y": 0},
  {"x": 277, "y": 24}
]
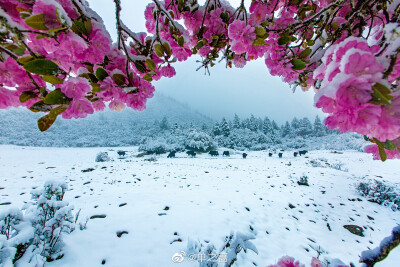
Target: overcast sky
[{"x": 246, "y": 91}]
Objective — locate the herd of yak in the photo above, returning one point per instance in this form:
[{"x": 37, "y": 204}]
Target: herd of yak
[{"x": 226, "y": 153}]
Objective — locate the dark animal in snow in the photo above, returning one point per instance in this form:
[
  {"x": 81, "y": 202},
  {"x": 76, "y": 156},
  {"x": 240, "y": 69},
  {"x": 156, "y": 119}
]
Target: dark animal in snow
[
  {"x": 121, "y": 153},
  {"x": 295, "y": 154},
  {"x": 280, "y": 155},
  {"x": 226, "y": 153},
  {"x": 244, "y": 155},
  {"x": 213, "y": 153},
  {"x": 191, "y": 153},
  {"x": 171, "y": 154}
]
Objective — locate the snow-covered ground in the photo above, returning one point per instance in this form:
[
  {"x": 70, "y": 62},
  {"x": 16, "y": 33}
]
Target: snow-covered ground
[{"x": 162, "y": 204}]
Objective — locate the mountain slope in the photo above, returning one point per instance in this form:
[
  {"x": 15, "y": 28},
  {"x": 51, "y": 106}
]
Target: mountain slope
[{"x": 19, "y": 126}]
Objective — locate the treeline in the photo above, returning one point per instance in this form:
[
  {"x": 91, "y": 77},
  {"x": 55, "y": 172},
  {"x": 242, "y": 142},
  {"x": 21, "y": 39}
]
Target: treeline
[{"x": 248, "y": 134}]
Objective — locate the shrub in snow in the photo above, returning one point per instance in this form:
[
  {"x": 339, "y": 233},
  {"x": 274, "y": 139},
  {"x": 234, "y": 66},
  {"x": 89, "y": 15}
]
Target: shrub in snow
[
  {"x": 381, "y": 193},
  {"x": 199, "y": 141},
  {"x": 208, "y": 256},
  {"x": 35, "y": 236},
  {"x": 102, "y": 157},
  {"x": 154, "y": 146},
  {"x": 303, "y": 180}
]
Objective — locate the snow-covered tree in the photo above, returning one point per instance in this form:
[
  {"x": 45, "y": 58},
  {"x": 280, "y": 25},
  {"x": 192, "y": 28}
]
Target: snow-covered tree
[
  {"x": 199, "y": 141},
  {"x": 224, "y": 127},
  {"x": 164, "y": 125},
  {"x": 216, "y": 129},
  {"x": 236, "y": 122},
  {"x": 319, "y": 128}
]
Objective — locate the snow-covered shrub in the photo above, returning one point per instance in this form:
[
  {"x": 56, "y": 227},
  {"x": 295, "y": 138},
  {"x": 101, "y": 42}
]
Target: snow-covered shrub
[
  {"x": 34, "y": 235},
  {"x": 379, "y": 192},
  {"x": 303, "y": 180},
  {"x": 208, "y": 256},
  {"x": 102, "y": 157},
  {"x": 154, "y": 146},
  {"x": 199, "y": 141},
  {"x": 52, "y": 218},
  {"x": 15, "y": 235}
]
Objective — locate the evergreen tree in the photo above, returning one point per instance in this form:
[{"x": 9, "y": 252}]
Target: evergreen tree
[
  {"x": 175, "y": 128},
  {"x": 216, "y": 129},
  {"x": 204, "y": 127},
  {"x": 164, "y": 125},
  {"x": 305, "y": 127},
  {"x": 275, "y": 125},
  {"x": 319, "y": 127},
  {"x": 286, "y": 129},
  {"x": 267, "y": 126},
  {"x": 224, "y": 127},
  {"x": 295, "y": 123},
  {"x": 252, "y": 124},
  {"x": 236, "y": 122}
]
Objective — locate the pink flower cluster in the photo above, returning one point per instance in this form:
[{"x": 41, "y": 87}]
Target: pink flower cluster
[{"x": 349, "y": 73}]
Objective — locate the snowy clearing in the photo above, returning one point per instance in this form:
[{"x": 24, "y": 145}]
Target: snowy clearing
[{"x": 152, "y": 208}]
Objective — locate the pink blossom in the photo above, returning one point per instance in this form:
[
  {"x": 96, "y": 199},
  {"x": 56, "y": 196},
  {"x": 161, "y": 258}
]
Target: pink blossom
[
  {"x": 168, "y": 71},
  {"x": 8, "y": 98},
  {"x": 315, "y": 262},
  {"x": 136, "y": 101},
  {"x": 79, "y": 108},
  {"x": 12, "y": 74},
  {"x": 373, "y": 149},
  {"x": 116, "y": 105},
  {"x": 242, "y": 36},
  {"x": 287, "y": 261},
  {"x": 239, "y": 62},
  {"x": 98, "y": 105},
  {"x": 258, "y": 13},
  {"x": 50, "y": 14},
  {"x": 76, "y": 87},
  {"x": 362, "y": 64},
  {"x": 146, "y": 89}
]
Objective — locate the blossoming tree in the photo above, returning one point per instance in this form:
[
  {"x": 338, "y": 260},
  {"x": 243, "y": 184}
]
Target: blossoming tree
[{"x": 56, "y": 56}]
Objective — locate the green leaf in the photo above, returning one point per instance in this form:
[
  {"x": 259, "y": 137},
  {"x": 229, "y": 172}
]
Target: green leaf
[
  {"x": 150, "y": 64},
  {"x": 27, "y": 95},
  {"x": 25, "y": 59},
  {"x": 259, "y": 41},
  {"x": 88, "y": 26},
  {"x": 381, "y": 95},
  {"x": 382, "y": 153},
  {"x": 181, "y": 41},
  {"x": 36, "y": 22},
  {"x": 200, "y": 44},
  {"x": 389, "y": 145},
  {"x": 260, "y": 31},
  {"x": 45, "y": 122},
  {"x": 56, "y": 97},
  {"x": 40, "y": 107},
  {"x": 305, "y": 53},
  {"x": 95, "y": 88},
  {"x": 101, "y": 74},
  {"x": 52, "y": 79},
  {"x": 147, "y": 77},
  {"x": 167, "y": 49},
  {"x": 159, "y": 49},
  {"x": 81, "y": 27},
  {"x": 119, "y": 79},
  {"x": 298, "y": 64},
  {"x": 42, "y": 67},
  {"x": 284, "y": 40},
  {"x": 140, "y": 66}
]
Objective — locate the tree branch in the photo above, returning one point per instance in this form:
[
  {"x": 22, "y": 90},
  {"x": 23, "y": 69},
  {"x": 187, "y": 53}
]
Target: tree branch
[{"x": 371, "y": 257}]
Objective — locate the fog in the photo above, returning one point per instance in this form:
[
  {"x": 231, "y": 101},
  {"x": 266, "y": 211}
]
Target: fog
[{"x": 246, "y": 91}]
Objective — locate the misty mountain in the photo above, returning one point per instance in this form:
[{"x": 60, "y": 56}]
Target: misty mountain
[{"x": 19, "y": 126}]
